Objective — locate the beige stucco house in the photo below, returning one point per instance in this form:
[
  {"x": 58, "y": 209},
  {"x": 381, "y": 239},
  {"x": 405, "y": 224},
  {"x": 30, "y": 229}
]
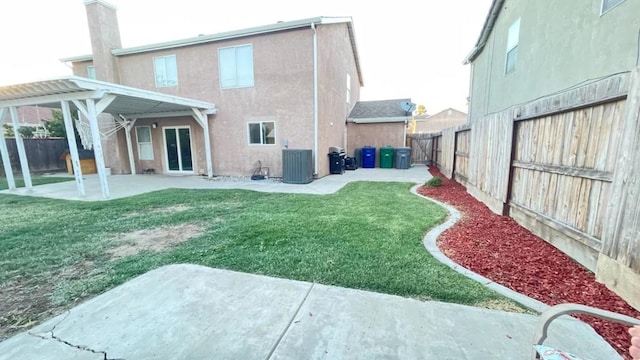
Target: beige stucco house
[
  {"x": 377, "y": 123},
  {"x": 439, "y": 121},
  {"x": 283, "y": 85}
]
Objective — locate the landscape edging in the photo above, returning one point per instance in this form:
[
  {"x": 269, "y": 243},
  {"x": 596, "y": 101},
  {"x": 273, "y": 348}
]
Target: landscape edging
[{"x": 430, "y": 243}]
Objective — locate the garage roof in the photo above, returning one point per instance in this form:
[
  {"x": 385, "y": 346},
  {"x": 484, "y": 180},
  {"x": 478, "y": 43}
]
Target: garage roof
[{"x": 128, "y": 101}]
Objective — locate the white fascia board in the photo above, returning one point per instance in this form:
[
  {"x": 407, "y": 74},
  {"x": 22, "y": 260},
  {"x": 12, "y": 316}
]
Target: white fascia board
[
  {"x": 220, "y": 36},
  {"x": 133, "y": 92},
  {"x": 379, "y": 120},
  {"x": 107, "y": 4},
  {"x": 77, "y": 58}
]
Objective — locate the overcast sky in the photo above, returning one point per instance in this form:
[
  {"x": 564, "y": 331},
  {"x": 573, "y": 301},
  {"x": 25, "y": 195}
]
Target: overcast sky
[{"x": 407, "y": 48}]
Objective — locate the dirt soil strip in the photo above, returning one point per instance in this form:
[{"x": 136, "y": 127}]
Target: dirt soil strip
[{"x": 499, "y": 249}]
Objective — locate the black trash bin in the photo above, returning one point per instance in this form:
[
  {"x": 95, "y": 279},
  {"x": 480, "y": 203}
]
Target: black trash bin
[{"x": 336, "y": 160}]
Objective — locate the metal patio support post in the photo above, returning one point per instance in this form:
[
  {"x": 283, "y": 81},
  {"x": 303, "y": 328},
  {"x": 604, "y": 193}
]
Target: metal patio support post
[
  {"x": 4, "y": 152},
  {"x": 24, "y": 163},
  {"x": 73, "y": 147}
]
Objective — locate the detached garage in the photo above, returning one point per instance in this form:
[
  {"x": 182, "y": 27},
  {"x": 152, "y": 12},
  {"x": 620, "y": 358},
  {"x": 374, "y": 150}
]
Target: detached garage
[{"x": 377, "y": 124}]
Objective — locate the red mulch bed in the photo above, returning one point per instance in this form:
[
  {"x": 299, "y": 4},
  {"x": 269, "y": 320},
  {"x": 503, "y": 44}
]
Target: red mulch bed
[{"x": 499, "y": 249}]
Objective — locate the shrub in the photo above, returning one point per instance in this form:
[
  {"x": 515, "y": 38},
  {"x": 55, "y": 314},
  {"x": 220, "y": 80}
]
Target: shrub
[{"x": 434, "y": 181}]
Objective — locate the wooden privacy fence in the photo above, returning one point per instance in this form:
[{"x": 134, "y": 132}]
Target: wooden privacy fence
[
  {"x": 565, "y": 167},
  {"x": 421, "y": 148},
  {"x": 42, "y": 154}
]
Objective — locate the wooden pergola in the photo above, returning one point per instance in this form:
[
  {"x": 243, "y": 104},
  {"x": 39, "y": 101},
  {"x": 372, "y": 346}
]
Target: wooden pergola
[{"x": 92, "y": 98}]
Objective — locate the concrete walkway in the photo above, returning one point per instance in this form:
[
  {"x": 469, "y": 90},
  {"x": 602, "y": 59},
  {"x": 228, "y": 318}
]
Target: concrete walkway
[
  {"x": 129, "y": 185},
  {"x": 195, "y": 312}
]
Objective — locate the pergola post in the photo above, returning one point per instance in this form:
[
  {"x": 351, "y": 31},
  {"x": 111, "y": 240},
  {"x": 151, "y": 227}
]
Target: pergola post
[
  {"x": 73, "y": 147},
  {"x": 128, "y": 125},
  {"x": 22, "y": 154},
  {"x": 203, "y": 120},
  {"x": 4, "y": 152},
  {"x": 92, "y": 115}
]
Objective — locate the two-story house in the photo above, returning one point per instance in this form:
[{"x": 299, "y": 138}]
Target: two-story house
[
  {"x": 554, "y": 130},
  {"x": 283, "y": 85},
  {"x": 528, "y": 49}
]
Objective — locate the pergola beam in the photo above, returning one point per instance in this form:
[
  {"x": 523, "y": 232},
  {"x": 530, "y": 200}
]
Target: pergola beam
[
  {"x": 73, "y": 147},
  {"x": 22, "y": 154},
  {"x": 4, "y": 152},
  {"x": 49, "y": 99}
]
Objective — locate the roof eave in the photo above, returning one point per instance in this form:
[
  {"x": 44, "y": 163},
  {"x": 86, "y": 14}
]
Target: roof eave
[
  {"x": 489, "y": 22},
  {"x": 392, "y": 119},
  {"x": 259, "y": 30},
  {"x": 77, "y": 58}
]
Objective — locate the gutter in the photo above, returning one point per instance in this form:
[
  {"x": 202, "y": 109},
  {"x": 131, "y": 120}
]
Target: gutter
[
  {"x": 315, "y": 97},
  {"x": 489, "y": 22}
]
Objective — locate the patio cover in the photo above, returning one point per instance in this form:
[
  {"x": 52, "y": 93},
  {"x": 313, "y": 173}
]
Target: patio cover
[{"x": 92, "y": 98}]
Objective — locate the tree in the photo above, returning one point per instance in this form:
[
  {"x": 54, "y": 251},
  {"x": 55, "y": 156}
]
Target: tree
[
  {"x": 55, "y": 126},
  {"x": 8, "y": 130},
  {"x": 26, "y": 131}
]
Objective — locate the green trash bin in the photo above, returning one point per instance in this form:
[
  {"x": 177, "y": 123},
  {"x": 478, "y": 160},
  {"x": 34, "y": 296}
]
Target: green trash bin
[{"x": 386, "y": 157}]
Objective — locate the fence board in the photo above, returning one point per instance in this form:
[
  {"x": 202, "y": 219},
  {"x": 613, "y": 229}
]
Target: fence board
[
  {"x": 556, "y": 159},
  {"x": 42, "y": 154},
  {"x": 622, "y": 243}
]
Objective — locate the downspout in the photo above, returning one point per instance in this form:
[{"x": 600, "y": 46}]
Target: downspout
[{"x": 315, "y": 97}]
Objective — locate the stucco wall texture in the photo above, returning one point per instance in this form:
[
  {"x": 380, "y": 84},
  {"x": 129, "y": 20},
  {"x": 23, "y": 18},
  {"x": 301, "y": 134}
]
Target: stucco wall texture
[
  {"x": 440, "y": 121},
  {"x": 558, "y": 47},
  {"x": 283, "y": 92}
]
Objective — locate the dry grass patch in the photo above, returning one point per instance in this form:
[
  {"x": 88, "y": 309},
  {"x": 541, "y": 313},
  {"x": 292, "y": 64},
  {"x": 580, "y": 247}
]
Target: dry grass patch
[
  {"x": 153, "y": 240},
  {"x": 164, "y": 210},
  {"x": 504, "y": 305}
]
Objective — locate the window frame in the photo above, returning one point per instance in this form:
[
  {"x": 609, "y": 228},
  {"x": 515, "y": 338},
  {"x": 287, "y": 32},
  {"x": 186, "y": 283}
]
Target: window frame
[
  {"x": 262, "y": 135},
  {"x": 236, "y": 82},
  {"x": 155, "y": 70},
  {"x": 139, "y": 143},
  {"x": 512, "y": 47},
  {"x": 91, "y": 70},
  {"x": 604, "y": 11}
]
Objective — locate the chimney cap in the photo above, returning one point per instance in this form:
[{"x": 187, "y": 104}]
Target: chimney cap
[{"x": 103, "y": 2}]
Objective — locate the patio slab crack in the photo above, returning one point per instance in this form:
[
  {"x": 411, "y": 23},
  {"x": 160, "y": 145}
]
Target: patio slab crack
[{"x": 52, "y": 336}]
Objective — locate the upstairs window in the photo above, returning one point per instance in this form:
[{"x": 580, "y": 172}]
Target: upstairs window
[
  {"x": 166, "y": 70},
  {"x": 91, "y": 72},
  {"x": 348, "y": 89},
  {"x": 512, "y": 47},
  {"x": 608, "y": 5},
  {"x": 262, "y": 133},
  {"x": 236, "y": 66}
]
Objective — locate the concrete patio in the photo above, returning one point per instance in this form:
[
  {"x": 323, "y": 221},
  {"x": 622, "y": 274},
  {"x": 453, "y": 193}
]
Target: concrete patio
[
  {"x": 195, "y": 312},
  {"x": 129, "y": 185}
]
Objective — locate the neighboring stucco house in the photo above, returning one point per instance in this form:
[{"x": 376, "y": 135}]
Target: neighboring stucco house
[
  {"x": 528, "y": 49},
  {"x": 554, "y": 100},
  {"x": 377, "y": 123},
  {"x": 439, "y": 121},
  {"x": 284, "y": 85}
]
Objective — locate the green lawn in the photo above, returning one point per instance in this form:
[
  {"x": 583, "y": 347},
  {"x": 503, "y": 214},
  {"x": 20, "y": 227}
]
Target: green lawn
[
  {"x": 56, "y": 253},
  {"x": 35, "y": 180}
]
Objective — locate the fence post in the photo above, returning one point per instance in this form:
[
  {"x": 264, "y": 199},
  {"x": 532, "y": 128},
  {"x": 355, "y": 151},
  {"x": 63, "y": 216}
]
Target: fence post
[
  {"x": 619, "y": 262},
  {"x": 514, "y": 145}
]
